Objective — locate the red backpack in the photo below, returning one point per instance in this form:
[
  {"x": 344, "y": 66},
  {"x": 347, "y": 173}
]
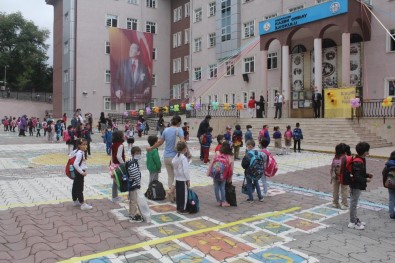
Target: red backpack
[
  {"x": 271, "y": 167},
  {"x": 220, "y": 168},
  {"x": 346, "y": 176},
  {"x": 69, "y": 169}
]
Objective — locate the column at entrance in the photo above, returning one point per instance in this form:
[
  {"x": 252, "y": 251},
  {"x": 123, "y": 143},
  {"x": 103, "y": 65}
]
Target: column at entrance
[
  {"x": 264, "y": 77},
  {"x": 346, "y": 59},
  {"x": 318, "y": 64},
  {"x": 285, "y": 73}
]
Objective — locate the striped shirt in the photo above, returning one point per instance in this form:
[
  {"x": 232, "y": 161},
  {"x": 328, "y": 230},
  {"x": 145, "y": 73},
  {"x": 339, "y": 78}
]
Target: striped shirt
[{"x": 134, "y": 174}]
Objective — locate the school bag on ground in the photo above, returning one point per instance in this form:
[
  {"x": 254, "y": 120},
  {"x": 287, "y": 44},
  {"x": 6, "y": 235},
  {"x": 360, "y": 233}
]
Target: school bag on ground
[
  {"x": 346, "y": 176},
  {"x": 271, "y": 166},
  {"x": 69, "y": 169},
  {"x": 219, "y": 169},
  {"x": 230, "y": 194},
  {"x": 297, "y": 134},
  {"x": 255, "y": 169},
  {"x": 155, "y": 191},
  {"x": 121, "y": 177},
  {"x": 193, "y": 204}
]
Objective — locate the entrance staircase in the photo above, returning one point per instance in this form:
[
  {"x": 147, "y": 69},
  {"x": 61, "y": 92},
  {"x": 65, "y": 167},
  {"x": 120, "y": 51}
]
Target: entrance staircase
[{"x": 319, "y": 132}]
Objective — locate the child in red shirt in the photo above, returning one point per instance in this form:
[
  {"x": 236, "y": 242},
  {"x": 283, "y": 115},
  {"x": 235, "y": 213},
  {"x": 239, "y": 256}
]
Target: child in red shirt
[{"x": 220, "y": 140}]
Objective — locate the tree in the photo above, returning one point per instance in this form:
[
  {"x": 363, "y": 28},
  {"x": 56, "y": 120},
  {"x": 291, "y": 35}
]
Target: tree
[{"x": 23, "y": 49}]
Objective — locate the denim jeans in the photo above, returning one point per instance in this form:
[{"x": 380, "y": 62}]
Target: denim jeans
[
  {"x": 354, "y": 197},
  {"x": 257, "y": 188},
  {"x": 219, "y": 190},
  {"x": 265, "y": 185},
  {"x": 391, "y": 201}
]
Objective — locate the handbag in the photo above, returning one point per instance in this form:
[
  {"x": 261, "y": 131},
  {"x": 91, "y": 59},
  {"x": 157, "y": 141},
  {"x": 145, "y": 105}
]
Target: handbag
[
  {"x": 390, "y": 181},
  {"x": 244, "y": 189}
]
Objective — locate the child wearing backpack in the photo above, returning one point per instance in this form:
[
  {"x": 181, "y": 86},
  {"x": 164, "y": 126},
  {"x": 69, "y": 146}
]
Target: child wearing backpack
[
  {"x": 108, "y": 139},
  {"x": 264, "y": 143},
  {"x": 221, "y": 170},
  {"x": 80, "y": 173},
  {"x": 39, "y": 127},
  {"x": 181, "y": 175},
  {"x": 358, "y": 183},
  {"x": 153, "y": 160},
  {"x": 237, "y": 141},
  {"x": 206, "y": 143},
  {"x": 134, "y": 184},
  {"x": 228, "y": 134},
  {"x": 297, "y": 136},
  {"x": 220, "y": 140},
  {"x": 277, "y": 140},
  {"x": 335, "y": 172},
  {"x": 248, "y": 134},
  {"x": 389, "y": 182},
  {"x": 129, "y": 136},
  {"x": 264, "y": 133},
  {"x": 288, "y": 139},
  {"x": 185, "y": 128},
  {"x": 253, "y": 166}
]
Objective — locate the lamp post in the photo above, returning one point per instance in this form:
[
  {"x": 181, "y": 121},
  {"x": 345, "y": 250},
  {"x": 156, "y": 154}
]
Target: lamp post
[{"x": 5, "y": 79}]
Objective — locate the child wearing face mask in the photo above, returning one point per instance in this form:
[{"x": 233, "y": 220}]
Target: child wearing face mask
[
  {"x": 80, "y": 173},
  {"x": 134, "y": 184}
]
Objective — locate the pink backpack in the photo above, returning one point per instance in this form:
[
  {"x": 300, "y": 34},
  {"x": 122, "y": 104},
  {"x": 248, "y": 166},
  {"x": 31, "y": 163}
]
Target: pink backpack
[
  {"x": 288, "y": 135},
  {"x": 66, "y": 136},
  {"x": 271, "y": 167}
]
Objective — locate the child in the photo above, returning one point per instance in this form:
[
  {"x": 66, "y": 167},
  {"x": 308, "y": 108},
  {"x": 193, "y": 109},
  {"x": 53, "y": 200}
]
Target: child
[
  {"x": 58, "y": 130},
  {"x": 29, "y": 124},
  {"x": 340, "y": 153},
  {"x": 226, "y": 158},
  {"x": 108, "y": 139},
  {"x": 80, "y": 173},
  {"x": 237, "y": 141},
  {"x": 181, "y": 175},
  {"x": 129, "y": 135},
  {"x": 68, "y": 137},
  {"x": 228, "y": 134},
  {"x": 277, "y": 140},
  {"x": 288, "y": 139},
  {"x": 186, "y": 131},
  {"x": 245, "y": 163},
  {"x": 359, "y": 182},
  {"x": 134, "y": 184},
  {"x": 39, "y": 127},
  {"x": 86, "y": 134},
  {"x": 45, "y": 126},
  {"x": 264, "y": 143},
  {"x": 264, "y": 133},
  {"x": 248, "y": 135},
  {"x": 389, "y": 169},
  {"x": 220, "y": 140},
  {"x": 153, "y": 160},
  {"x": 297, "y": 136},
  {"x": 206, "y": 143}
]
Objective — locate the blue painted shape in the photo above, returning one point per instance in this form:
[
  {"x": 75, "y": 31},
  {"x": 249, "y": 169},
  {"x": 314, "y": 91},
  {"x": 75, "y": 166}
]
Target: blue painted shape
[
  {"x": 277, "y": 255},
  {"x": 281, "y": 218},
  {"x": 326, "y": 211},
  {"x": 190, "y": 257},
  {"x": 304, "y": 16},
  {"x": 99, "y": 260}
]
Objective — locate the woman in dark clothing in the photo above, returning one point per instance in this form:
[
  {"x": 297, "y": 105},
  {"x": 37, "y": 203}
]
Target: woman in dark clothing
[
  {"x": 260, "y": 107},
  {"x": 103, "y": 123}
]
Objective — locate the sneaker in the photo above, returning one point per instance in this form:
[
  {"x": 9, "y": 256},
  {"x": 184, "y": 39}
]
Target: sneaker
[
  {"x": 76, "y": 203},
  {"x": 250, "y": 200},
  {"x": 225, "y": 204},
  {"x": 261, "y": 199},
  {"x": 360, "y": 222},
  {"x": 392, "y": 216},
  {"x": 336, "y": 205},
  {"x": 117, "y": 199},
  {"x": 182, "y": 211},
  {"x": 343, "y": 207},
  {"x": 85, "y": 206},
  {"x": 136, "y": 218},
  {"x": 219, "y": 203},
  {"x": 357, "y": 226}
]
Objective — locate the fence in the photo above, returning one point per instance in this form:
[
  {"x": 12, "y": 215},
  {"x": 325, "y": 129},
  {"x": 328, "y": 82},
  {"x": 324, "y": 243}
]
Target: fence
[
  {"x": 23, "y": 95},
  {"x": 374, "y": 109},
  {"x": 207, "y": 109}
]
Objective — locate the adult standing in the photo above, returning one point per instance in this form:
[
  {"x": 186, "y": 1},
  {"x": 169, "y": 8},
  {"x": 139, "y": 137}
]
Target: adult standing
[
  {"x": 260, "y": 107},
  {"x": 64, "y": 119},
  {"x": 203, "y": 126},
  {"x": 103, "y": 125},
  {"x": 316, "y": 99},
  {"x": 278, "y": 102},
  {"x": 169, "y": 137},
  {"x": 251, "y": 106},
  {"x": 160, "y": 126},
  {"x": 22, "y": 126},
  {"x": 117, "y": 157}
]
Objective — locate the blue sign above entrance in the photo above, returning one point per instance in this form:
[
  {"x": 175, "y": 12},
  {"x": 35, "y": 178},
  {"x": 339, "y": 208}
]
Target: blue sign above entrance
[{"x": 304, "y": 16}]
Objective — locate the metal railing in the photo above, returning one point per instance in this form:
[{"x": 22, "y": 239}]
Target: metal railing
[
  {"x": 26, "y": 95},
  {"x": 207, "y": 109},
  {"x": 373, "y": 108}
]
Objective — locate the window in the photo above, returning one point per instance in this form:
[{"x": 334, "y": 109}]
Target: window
[
  {"x": 187, "y": 9},
  {"x": 211, "y": 40},
  {"x": 151, "y": 3},
  {"x": 153, "y": 79},
  {"x": 226, "y": 98},
  {"x": 108, "y": 76},
  {"x": 177, "y": 65},
  {"x": 186, "y": 90},
  {"x": 249, "y": 29},
  {"x": 109, "y": 105},
  {"x": 111, "y": 20},
  {"x": 177, "y": 14},
  {"x": 244, "y": 96},
  {"x": 66, "y": 76},
  {"x": 391, "y": 41},
  {"x": 134, "y": 2},
  {"x": 177, "y": 91},
  {"x": 131, "y": 23},
  {"x": 269, "y": 16},
  {"x": 154, "y": 53},
  {"x": 389, "y": 87},
  {"x": 295, "y": 8},
  {"x": 107, "y": 47},
  {"x": 197, "y": 73},
  {"x": 230, "y": 68},
  {"x": 186, "y": 36},
  {"x": 272, "y": 60},
  {"x": 186, "y": 63},
  {"x": 216, "y": 98},
  {"x": 211, "y": 9},
  {"x": 131, "y": 106},
  {"x": 150, "y": 27},
  {"x": 249, "y": 65},
  {"x": 177, "y": 39},
  {"x": 209, "y": 99},
  {"x": 233, "y": 98},
  {"x": 225, "y": 20},
  {"x": 66, "y": 47},
  {"x": 212, "y": 71},
  {"x": 197, "y": 16},
  {"x": 197, "y": 44}
]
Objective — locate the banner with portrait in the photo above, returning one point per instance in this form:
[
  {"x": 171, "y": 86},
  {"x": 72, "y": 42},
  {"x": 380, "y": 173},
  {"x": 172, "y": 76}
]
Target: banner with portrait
[
  {"x": 297, "y": 66},
  {"x": 355, "y": 64},
  {"x": 130, "y": 65}
]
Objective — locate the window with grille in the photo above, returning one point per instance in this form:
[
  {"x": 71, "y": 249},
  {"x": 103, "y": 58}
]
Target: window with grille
[
  {"x": 108, "y": 76},
  {"x": 150, "y": 27},
  {"x": 249, "y": 29},
  {"x": 151, "y": 3},
  {"x": 107, "y": 47},
  {"x": 197, "y": 44},
  {"x": 249, "y": 65},
  {"x": 109, "y": 105},
  {"x": 295, "y": 8},
  {"x": 131, "y": 23},
  {"x": 272, "y": 60},
  {"x": 230, "y": 68},
  {"x": 197, "y": 17},
  {"x": 211, "y": 40},
  {"x": 211, "y": 9},
  {"x": 197, "y": 73},
  {"x": 212, "y": 71},
  {"x": 112, "y": 20}
]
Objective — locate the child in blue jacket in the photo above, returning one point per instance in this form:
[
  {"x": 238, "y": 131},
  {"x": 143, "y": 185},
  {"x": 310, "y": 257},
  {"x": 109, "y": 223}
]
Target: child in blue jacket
[{"x": 206, "y": 143}]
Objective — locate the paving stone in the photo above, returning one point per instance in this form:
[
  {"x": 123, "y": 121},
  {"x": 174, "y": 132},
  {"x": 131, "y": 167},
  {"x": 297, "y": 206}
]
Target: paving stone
[
  {"x": 5, "y": 256},
  {"x": 14, "y": 239},
  {"x": 79, "y": 248},
  {"x": 29, "y": 259},
  {"x": 60, "y": 245},
  {"x": 20, "y": 254},
  {"x": 40, "y": 247},
  {"x": 43, "y": 255},
  {"x": 16, "y": 246},
  {"x": 34, "y": 240},
  {"x": 65, "y": 253}
]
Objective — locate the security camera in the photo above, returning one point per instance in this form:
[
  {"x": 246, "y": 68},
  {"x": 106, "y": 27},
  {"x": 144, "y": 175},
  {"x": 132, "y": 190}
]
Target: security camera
[{"x": 85, "y": 92}]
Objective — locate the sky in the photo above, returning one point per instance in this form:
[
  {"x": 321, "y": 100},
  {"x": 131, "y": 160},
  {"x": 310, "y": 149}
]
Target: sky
[{"x": 35, "y": 10}]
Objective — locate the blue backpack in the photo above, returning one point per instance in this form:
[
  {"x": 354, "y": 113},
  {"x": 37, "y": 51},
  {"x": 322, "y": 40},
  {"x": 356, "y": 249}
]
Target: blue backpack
[
  {"x": 255, "y": 170},
  {"x": 193, "y": 205},
  {"x": 219, "y": 170},
  {"x": 297, "y": 134}
]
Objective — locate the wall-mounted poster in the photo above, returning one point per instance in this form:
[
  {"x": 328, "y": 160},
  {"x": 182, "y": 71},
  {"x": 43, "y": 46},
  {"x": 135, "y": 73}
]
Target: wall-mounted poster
[
  {"x": 301, "y": 95},
  {"x": 295, "y": 95},
  {"x": 297, "y": 71},
  {"x": 355, "y": 64},
  {"x": 301, "y": 104},
  {"x": 294, "y": 104},
  {"x": 307, "y": 103},
  {"x": 329, "y": 67}
]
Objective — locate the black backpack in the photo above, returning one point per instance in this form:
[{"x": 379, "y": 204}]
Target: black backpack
[{"x": 155, "y": 191}]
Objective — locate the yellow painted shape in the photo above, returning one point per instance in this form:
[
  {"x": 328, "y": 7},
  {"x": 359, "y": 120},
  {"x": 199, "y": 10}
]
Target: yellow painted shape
[
  {"x": 178, "y": 236},
  {"x": 60, "y": 159},
  {"x": 273, "y": 257}
]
